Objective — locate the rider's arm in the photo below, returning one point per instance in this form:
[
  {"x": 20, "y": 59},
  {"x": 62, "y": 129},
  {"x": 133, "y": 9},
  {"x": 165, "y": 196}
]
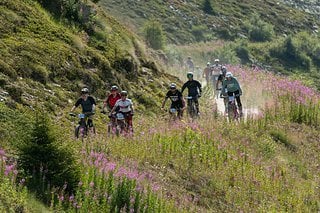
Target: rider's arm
[
  {"x": 76, "y": 104},
  {"x": 164, "y": 102},
  {"x": 199, "y": 86},
  {"x": 238, "y": 85},
  {"x": 114, "y": 107},
  {"x": 183, "y": 87}
]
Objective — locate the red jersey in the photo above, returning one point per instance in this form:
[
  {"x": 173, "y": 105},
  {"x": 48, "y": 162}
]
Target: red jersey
[{"x": 111, "y": 100}]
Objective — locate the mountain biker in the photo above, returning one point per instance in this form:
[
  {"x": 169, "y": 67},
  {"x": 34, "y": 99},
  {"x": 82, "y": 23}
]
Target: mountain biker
[
  {"x": 177, "y": 100},
  {"x": 194, "y": 89},
  {"x": 207, "y": 73},
  {"x": 220, "y": 80},
  {"x": 87, "y": 103},
  {"x": 215, "y": 72},
  {"x": 190, "y": 64},
  {"x": 125, "y": 107},
  {"x": 110, "y": 101},
  {"x": 112, "y": 98},
  {"x": 232, "y": 87}
]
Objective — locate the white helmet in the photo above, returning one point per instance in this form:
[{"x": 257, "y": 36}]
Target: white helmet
[
  {"x": 216, "y": 60},
  {"x": 208, "y": 63},
  {"x": 229, "y": 74}
]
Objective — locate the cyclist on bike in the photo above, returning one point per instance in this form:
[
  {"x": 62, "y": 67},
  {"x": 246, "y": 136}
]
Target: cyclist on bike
[
  {"x": 215, "y": 68},
  {"x": 190, "y": 64},
  {"x": 112, "y": 98},
  {"x": 194, "y": 89},
  {"x": 230, "y": 87},
  {"x": 125, "y": 107},
  {"x": 221, "y": 78},
  {"x": 88, "y": 105},
  {"x": 177, "y": 100},
  {"x": 110, "y": 101},
  {"x": 207, "y": 73}
]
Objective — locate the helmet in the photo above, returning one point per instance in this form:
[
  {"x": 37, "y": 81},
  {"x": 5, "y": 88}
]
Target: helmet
[
  {"x": 216, "y": 60},
  {"x": 208, "y": 63},
  {"x": 190, "y": 74},
  {"x": 114, "y": 88},
  {"x": 229, "y": 74},
  {"x": 173, "y": 86},
  {"x": 124, "y": 93},
  {"x": 85, "y": 91},
  {"x": 224, "y": 69}
]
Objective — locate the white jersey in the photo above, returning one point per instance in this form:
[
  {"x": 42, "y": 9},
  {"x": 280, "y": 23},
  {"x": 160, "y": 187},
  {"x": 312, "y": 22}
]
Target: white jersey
[
  {"x": 216, "y": 69},
  {"x": 125, "y": 106}
]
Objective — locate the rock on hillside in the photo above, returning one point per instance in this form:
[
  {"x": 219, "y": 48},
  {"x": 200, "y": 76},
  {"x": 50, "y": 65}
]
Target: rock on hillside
[{"x": 309, "y": 6}]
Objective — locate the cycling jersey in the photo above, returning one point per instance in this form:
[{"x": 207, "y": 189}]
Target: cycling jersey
[
  {"x": 231, "y": 85},
  {"x": 111, "y": 100},
  {"x": 216, "y": 68},
  {"x": 193, "y": 87},
  {"x": 124, "y": 106},
  {"x": 86, "y": 104},
  {"x": 176, "y": 98}
]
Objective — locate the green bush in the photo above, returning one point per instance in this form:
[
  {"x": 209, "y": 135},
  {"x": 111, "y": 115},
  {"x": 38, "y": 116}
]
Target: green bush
[
  {"x": 15, "y": 92},
  {"x": 258, "y": 30},
  {"x": 45, "y": 161},
  {"x": 288, "y": 52},
  {"x": 198, "y": 33},
  {"x": 7, "y": 70},
  {"x": 154, "y": 34},
  {"x": 207, "y": 8}
]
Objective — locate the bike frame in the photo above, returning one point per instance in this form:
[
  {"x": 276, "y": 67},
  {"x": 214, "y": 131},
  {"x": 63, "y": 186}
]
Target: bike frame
[
  {"x": 192, "y": 111},
  {"x": 233, "y": 113}
]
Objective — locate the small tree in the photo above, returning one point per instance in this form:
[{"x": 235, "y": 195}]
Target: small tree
[
  {"x": 259, "y": 30},
  {"x": 45, "y": 162},
  {"x": 207, "y": 7},
  {"x": 154, "y": 35}
]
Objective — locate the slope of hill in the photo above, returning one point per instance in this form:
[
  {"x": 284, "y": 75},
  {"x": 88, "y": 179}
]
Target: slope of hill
[
  {"x": 309, "y": 6},
  {"x": 181, "y": 19},
  {"x": 42, "y": 60}
]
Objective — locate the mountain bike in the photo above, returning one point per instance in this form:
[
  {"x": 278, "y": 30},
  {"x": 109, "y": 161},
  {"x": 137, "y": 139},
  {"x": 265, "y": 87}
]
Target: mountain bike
[
  {"x": 82, "y": 129},
  {"x": 122, "y": 126},
  {"x": 233, "y": 113},
  {"x": 191, "y": 108},
  {"x": 175, "y": 114}
]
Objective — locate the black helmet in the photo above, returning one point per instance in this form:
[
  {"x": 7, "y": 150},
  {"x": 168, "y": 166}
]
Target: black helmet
[
  {"x": 114, "y": 88},
  {"x": 124, "y": 93},
  {"x": 85, "y": 91},
  {"x": 190, "y": 74},
  {"x": 173, "y": 86}
]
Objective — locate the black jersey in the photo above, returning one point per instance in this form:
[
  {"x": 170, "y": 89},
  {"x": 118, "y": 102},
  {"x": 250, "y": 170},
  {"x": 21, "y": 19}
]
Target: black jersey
[
  {"x": 86, "y": 104},
  {"x": 194, "y": 87},
  {"x": 175, "y": 97}
]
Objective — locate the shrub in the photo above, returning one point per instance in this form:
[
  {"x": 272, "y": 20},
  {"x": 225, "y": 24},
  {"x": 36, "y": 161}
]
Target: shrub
[
  {"x": 207, "y": 8},
  {"x": 258, "y": 30},
  {"x": 198, "y": 33},
  {"x": 15, "y": 92},
  {"x": 290, "y": 54},
  {"x": 7, "y": 70},
  {"x": 45, "y": 161},
  {"x": 154, "y": 34}
]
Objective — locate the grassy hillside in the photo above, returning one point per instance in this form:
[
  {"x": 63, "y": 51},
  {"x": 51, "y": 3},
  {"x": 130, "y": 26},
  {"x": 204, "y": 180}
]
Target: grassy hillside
[
  {"x": 181, "y": 19},
  {"x": 266, "y": 34},
  {"x": 268, "y": 163},
  {"x": 47, "y": 58}
]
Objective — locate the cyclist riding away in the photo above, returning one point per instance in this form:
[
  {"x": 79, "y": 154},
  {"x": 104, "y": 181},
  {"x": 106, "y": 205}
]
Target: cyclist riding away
[
  {"x": 88, "y": 105},
  {"x": 194, "y": 89},
  {"x": 232, "y": 87},
  {"x": 190, "y": 64},
  {"x": 125, "y": 107},
  {"x": 215, "y": 71},
  {"x": 207, "y": 73},
  {"x": 177, "y": 100},
  {"x": 221, "y": 78}
]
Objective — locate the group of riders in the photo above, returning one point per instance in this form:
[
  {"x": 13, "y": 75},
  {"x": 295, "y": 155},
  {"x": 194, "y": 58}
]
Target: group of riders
[{"x": 117, "y": 102}]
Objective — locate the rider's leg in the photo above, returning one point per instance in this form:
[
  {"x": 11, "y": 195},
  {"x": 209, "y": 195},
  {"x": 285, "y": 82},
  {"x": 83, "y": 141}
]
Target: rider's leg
[
  {"x": 196, "y": 102},
  {"x": 238, "y": 102},
  {"x": 225, "y": 101},
  {"x": 129, "y": 121}
]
